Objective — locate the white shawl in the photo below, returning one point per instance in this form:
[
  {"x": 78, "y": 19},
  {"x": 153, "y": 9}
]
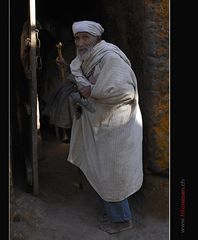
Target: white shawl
[{"x": 107, "y": 145}]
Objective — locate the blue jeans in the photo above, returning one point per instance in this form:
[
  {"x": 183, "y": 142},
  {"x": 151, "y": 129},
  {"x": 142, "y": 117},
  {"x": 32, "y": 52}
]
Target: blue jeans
[{"x": 117, "y": 211}]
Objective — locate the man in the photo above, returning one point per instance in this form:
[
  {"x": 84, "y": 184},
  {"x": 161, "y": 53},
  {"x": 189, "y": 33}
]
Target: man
[{"x": 107, "y": 144}]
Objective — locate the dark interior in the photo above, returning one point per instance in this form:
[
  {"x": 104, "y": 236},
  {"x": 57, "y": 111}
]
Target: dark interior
[{"x": 122, "y": 24}]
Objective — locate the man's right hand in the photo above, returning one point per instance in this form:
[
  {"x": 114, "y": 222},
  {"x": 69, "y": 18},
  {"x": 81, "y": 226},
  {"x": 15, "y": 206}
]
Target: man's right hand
[{"x": 85, "y": 91}]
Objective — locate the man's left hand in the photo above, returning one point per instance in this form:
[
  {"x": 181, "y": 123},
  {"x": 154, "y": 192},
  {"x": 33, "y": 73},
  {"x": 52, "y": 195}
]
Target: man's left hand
[{"x": 85, "y": 91}]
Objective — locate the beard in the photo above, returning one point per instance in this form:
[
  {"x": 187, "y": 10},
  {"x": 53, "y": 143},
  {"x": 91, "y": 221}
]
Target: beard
[{"x": 85, "y": 52}]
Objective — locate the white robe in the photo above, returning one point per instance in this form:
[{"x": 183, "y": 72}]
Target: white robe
[{"x": 107, "y": 145}]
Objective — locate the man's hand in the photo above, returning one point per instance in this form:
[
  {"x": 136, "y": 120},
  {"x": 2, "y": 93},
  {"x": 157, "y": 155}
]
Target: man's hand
[
  {"x": 85, "y": 91},
  {"x": 61, "y": 62}
]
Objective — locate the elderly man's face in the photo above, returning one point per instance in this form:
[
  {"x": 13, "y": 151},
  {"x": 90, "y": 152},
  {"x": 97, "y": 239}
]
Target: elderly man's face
[
  {"x": 84, "y": 40},
  {"x": 84, "y": 43}
]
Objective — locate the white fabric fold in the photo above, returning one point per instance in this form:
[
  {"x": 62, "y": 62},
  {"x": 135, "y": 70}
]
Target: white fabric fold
[
  {"x": 98, "y": 52},
  {"x": 91, "y": 27},
  {"x": 107, "y": 145},
  {"x": 75, "y": 67}
]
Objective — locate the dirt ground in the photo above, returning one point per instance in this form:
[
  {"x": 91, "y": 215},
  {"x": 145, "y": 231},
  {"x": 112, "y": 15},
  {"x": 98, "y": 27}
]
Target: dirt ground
[{"x": 64, "y": 211}]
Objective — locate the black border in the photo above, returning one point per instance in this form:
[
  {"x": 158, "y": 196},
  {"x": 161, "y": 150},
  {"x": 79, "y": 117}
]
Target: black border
[
  {"x": 183, "y": 120},
  {"x": 4, "y": 202}
]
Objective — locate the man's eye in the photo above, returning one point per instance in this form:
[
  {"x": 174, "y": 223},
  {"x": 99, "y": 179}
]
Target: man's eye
[{"x": 86, "y": 37}]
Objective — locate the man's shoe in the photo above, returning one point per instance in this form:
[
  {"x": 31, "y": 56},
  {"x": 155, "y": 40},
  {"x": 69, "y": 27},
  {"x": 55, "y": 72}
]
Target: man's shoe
[{"x": 116, "y": 227}]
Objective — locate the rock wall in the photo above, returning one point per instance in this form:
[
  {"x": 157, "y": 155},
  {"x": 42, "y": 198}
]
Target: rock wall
[{"x": 156, "y": 85}]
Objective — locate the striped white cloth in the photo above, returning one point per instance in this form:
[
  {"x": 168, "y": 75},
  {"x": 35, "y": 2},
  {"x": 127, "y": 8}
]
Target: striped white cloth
[{"x": 107, "y": 145}]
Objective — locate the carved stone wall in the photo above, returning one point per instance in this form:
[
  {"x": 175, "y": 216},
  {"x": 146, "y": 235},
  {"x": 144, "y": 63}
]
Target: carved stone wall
[{"x": 156, "y": 85}]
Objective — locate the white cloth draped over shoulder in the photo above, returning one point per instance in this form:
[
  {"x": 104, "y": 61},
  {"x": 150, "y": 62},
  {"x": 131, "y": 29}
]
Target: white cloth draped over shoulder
[{"x": 107, "y": 145}]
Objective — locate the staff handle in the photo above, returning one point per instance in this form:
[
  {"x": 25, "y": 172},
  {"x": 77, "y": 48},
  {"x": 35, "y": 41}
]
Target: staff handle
[{"x": 58, "y": 46}]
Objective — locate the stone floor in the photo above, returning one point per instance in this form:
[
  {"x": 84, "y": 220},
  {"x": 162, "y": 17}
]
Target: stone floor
[{"x": 64, "y": 211}]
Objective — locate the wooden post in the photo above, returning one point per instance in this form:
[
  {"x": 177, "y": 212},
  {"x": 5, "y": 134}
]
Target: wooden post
[{"x": 33, "y": 96}]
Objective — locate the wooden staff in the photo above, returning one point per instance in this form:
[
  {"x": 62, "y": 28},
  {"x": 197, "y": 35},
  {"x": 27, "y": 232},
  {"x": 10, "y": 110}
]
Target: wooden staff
[{"x": 58, "y": 46}]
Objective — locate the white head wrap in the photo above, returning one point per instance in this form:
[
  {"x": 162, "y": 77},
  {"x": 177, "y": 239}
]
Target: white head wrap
[{"x": 87, "y": 26}]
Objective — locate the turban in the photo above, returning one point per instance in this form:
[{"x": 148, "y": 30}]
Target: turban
[{"x": 91, "y": 27}]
